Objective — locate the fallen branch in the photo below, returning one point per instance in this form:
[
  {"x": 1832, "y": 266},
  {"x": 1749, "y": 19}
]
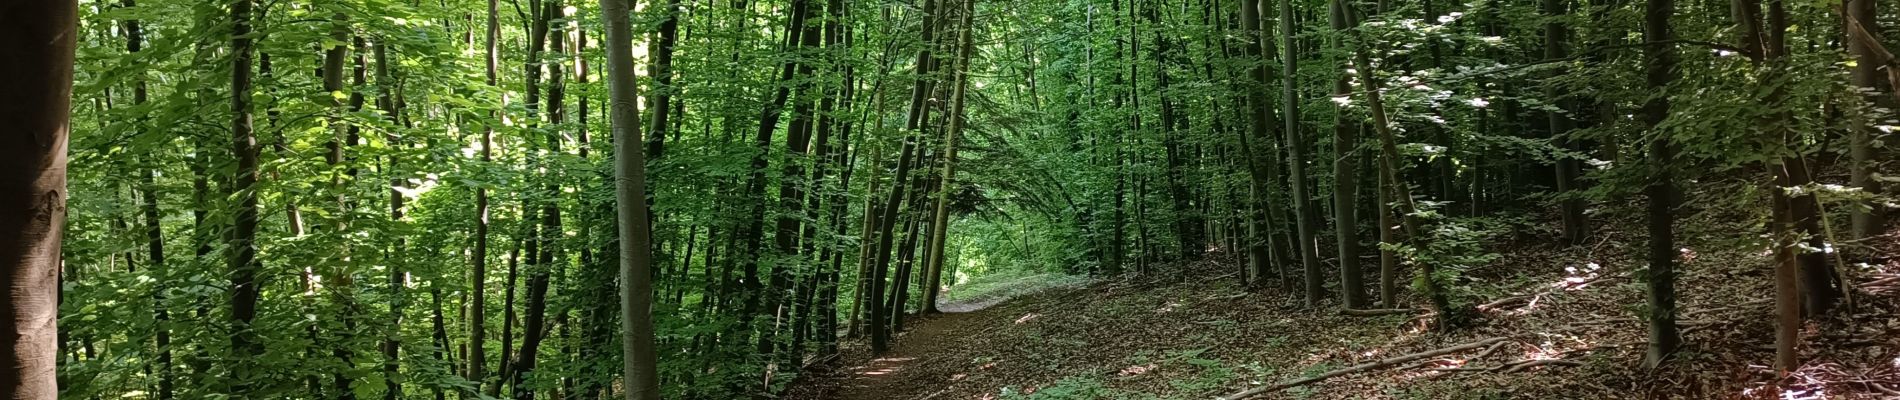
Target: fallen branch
[
  {"x": 1481, "y": 355},
  {"x": 1377, "y": 311},
  {"x": 1527, "y": 364},
  {"x": 1513, "y": 366},
  {"x": 1503, "y": 302},
  {"x": 1363, "y": 367},
  {"x": 1487, "y": 352}
]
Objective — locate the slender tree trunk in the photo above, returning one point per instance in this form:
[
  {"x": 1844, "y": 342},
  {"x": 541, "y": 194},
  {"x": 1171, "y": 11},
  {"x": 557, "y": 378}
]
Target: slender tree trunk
[
  {"x": 1867, "y": 217},
  {"x": 154, "y": 232},
  {"x": 640, "y": 368},
  {"x": 398, "y": 276},
  {"x": 478, "y": 258},
  {"x": 1448, "y": 318},
  {"x": 790, "y": 195},
  {"x": 35, "y": 106},
  {"x": 1306, "y": 213},
  {"x": 1659, "y": 66},
  {"x": 941, "y": 224},
  {"x": 880, "y": 332},
  {"x": 1570, "y": 205},
  {"x": 1345, "y": 174},
  {"x": 242, "y": 260},
  {"x": 534, "y": 327}
]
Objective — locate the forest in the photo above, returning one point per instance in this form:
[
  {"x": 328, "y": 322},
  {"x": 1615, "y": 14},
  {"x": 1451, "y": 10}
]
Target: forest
[{"x": 949, "y": 199}]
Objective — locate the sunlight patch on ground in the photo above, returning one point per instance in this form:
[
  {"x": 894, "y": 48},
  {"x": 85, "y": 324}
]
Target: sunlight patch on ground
[{"x": 884, "y": 366}]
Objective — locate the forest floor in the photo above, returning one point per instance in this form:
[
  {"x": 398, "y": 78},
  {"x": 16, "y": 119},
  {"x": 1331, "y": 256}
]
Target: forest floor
[{"x": 1191, "y": 332}]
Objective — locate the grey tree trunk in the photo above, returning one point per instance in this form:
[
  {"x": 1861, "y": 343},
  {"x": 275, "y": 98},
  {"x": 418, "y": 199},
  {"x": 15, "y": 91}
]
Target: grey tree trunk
[{"x": 642, "y": 381}]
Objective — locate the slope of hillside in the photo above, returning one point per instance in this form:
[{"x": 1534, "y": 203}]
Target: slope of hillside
[{"x": 1558, "y": 332}]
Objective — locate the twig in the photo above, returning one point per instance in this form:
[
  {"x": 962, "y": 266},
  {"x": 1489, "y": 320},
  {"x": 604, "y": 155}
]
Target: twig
[
  {"x": 1502, "y": 302},
  {"x": 1884, "y": 389},
  {"x": 1362, "y": 368},
  {"x": 1487, "y": 352},
  {"x": 1481, "y": 355},
  {"x": 1527, "y": 364},
  {"x": 1377, "y": 311}
]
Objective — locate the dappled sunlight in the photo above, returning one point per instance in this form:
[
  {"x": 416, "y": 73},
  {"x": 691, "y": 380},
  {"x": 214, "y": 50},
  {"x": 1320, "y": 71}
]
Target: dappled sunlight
[{"x": 882, "y": 366}]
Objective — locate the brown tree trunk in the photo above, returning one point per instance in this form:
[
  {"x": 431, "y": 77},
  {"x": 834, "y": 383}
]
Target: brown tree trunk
[
  {"x": 1867, "y": 217},
  {"x": 242, "y": 260},
  {"x": 39, "y": 44},
  {"x": 534, "y": 329},
  {"x": 1448, "y": 318},
  {"x": 478, "y": 258}
]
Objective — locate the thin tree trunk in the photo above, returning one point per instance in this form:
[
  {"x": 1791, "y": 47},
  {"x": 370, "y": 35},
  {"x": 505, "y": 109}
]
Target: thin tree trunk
[
  {"x": 1448, "y": 318},
  {"x": 478, "y": 259},
  {"x": 243, "y": 261},
  {"x": 940, "y": 226},
  {"x": 1659, "y": 66},
  {"x": 640, "y": 358},
  {"x": 1570, "y": 206},
  {"x": 1345, "y": 174},
  {"x": 154, "y": 232}
]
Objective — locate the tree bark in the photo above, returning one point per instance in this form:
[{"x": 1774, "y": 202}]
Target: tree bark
[
  {"x": 640, "y": 368},
  {"x": 940, "y": 226},
  {"x": 478, "y": 258},
  {"x": 1345, "y": 173},
  {"x": 40, "y": 39},
  {"x": 1659, "y": 66},
  {"x": 242, "y": 259},
  {"x": 1867, "y": 217}
]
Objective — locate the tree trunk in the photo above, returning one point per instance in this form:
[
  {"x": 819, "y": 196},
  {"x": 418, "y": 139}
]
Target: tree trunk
[
  {"x": 1448, "y": 318},
  {"x": 242, "y": 260},
  {"x": 154, "y": 232},
  {"x": 1570, "y": 205},
  {"x": 1659, "y": 66},
  {"x": 640, "y": 369},
  {"x": 478, "y": 258},
  {"x": 940, "y": 226},
  {"x": 1867, "y": 217},
  {"x": 40, "y": 45},
  {"x": 1345, "y": 174}
]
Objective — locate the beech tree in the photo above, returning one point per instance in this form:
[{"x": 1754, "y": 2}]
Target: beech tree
[{"x": 39, "y": 48}]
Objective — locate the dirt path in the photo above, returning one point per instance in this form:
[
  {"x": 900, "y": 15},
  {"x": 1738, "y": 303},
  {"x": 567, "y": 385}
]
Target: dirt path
[
  {"x": 923, "y": 361},
  {"x": 904, "y": 373},
  {"x": 935, "y": 353}
]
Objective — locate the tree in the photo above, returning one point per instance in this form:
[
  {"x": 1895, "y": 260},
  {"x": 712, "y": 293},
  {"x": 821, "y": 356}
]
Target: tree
[
  {"x": 478, "y": 254},
  {"x": 1659, "y": 70},
  {"x": 1866, "y": 217},
  {"x": 39, "y": 61},
  {"x": 640, "y": 368},
  {"x": 242, "y": 241},
  {"x": 1345, "y": 172}
]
